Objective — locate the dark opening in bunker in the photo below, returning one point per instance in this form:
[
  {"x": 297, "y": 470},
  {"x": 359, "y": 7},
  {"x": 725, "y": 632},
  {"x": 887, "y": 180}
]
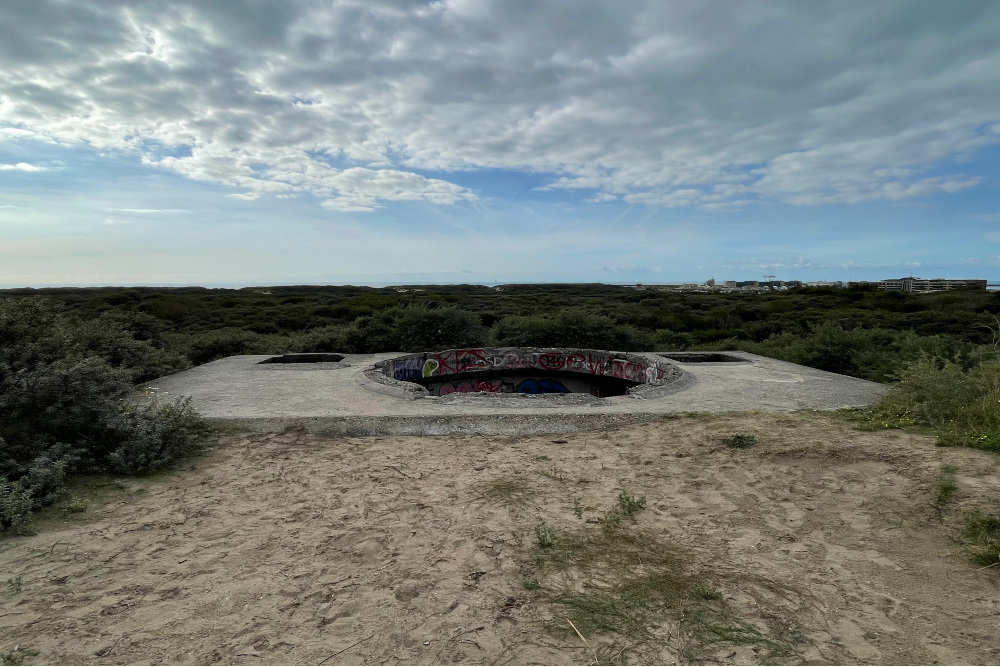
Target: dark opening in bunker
[
  {"x": 547, "y": 382},
  {"x": 304, "y": 358},
  {"x": 702, "y": 357},
  {"x": 599, "y": 373}
]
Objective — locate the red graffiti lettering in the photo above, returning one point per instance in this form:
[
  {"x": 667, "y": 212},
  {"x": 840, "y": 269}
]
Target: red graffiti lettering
[
  {"x": 596, "y": 364},
  {"x": 551, "y": 361},
  {"x": 491, "y": 386},
  {"x": 470, "y": 359}
]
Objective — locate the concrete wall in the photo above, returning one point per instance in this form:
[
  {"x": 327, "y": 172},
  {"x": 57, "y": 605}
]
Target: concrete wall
[
  {"x": 424, "y": 366},
  {"x": 515, "y": 385}
]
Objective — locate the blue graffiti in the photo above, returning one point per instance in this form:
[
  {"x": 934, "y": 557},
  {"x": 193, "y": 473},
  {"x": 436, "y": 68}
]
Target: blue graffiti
[
  {"x": 408, "y": 370},
  {"x": 542, "y": 387}
]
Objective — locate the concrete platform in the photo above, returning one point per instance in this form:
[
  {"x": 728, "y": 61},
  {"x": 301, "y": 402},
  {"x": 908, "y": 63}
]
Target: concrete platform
[{"x": 340, "y": 398}]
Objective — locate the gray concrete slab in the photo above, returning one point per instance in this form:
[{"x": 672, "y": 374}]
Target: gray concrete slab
[{"x": 338, "y": 397}]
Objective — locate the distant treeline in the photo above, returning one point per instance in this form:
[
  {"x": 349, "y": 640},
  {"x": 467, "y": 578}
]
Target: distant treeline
[{"x": 860, "y": 332}]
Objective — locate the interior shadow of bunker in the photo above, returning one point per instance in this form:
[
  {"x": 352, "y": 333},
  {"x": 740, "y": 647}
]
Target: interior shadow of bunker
[{"x": 509, "y": 370}]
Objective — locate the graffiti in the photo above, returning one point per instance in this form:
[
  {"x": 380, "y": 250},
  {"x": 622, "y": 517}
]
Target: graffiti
[
  {"x": 407, "y": 370},
  {"x": 627, "y": 370},
  {"x": 544, "y": 386},
  {"x": 460, "y": 361},
  {"x": 468, "y": 387},
  {"x": 552, "y": 361},
  {"x": 472, "y": 360}
]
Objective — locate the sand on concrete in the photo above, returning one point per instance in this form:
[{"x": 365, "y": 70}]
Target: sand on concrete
[{"x": 298, "y": 548}]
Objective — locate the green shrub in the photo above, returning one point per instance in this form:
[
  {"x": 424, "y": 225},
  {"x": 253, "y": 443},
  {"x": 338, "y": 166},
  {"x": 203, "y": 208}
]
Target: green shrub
[
  {"x": 415, "y": 329},
  {"x": 15, "y": 505},
  {"x": 206, "y": 347},
  {"x": 321, "y": 339},
  {"x": 962, "y": 407},
  {"x": 630, "y": 505},
  {"x": 872, "y": 354},
  {"x": 65, "y": 387},
  {"x": 571, "y": 327},
  {"x": 151, "y": 437}
]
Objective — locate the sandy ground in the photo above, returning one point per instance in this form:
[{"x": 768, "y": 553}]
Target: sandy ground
[{"x": 293, "y": 548}]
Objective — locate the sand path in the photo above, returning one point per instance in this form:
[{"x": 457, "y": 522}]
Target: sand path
[{"x": 293, "y": 548}]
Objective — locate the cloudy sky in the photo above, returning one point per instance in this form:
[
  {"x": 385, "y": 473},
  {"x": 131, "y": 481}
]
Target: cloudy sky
[{"x": 390, "y": 141}]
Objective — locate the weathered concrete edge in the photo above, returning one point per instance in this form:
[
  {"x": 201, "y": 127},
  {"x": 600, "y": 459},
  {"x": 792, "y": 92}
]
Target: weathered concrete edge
[{"x": 500, "y": 424}]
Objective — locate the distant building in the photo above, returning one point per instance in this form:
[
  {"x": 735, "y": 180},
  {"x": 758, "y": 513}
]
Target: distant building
[{"x": 924, "y": 285}]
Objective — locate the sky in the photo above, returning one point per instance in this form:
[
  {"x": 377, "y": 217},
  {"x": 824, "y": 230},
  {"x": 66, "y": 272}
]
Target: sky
[{"x": 265, "y": 142}]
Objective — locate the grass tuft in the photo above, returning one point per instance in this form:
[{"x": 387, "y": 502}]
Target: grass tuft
[
  {"x": 75, "y": 505},
  {"x": 17, "y": 656},
  {"x": 511, "y": 490},
  {"x": 740, "y": 441},
  {"x": 982, "y": 533},
  {"x": 15, "y": 585}
]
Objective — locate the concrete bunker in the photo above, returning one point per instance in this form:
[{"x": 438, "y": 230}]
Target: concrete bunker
[
  {"x": 304, "y": 358},
  {"x": 599, "y": 373}
]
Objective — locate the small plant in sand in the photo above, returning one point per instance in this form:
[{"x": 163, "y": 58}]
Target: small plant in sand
[
  {"x": 555, "y": 473},
  {"x": 511, "y": 490},
  {"x": 947, "y": 486},
  {"x": 982, "y": 534},
  {"x": 740, "y": 441},
  {"x": 75, "y": 505},
  {"x": 626, "y": 508},
  {"x": 17, "y": 656},
  {"x": 15, "y": 585},
  {"x": 630, "y": 505},
  {"x": 543, "y": 537}
]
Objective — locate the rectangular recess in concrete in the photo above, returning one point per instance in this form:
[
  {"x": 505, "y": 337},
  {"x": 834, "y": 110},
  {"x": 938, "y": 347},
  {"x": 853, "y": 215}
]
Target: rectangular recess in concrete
[
  {"x": 304, "y": 358},
  {"x": 703, "y": 357}
]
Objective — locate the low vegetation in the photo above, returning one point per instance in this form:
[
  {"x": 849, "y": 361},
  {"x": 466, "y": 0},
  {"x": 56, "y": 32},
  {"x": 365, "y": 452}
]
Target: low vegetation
[
  {"x": 861, "y": 332},
  {"x": 982, "y": 535},
  {"x": 70, "y": 358},
  {"x": 629, "y": 594},
  {"x": 65, "y": 396},
  {"x": 740, "y": 441},
  {"x": 958, "y": 403}
]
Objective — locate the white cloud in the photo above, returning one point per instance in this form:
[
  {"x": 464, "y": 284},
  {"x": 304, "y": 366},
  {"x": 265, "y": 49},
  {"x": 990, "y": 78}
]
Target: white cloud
[
  {"x": 20, "y": 166},
  {"x": 704, "y": 104}
]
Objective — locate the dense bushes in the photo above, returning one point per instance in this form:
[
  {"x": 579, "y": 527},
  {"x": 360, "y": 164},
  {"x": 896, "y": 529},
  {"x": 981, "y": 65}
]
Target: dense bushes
[
  {"x": 873, "y": 354},
  {"x": 960, "y": 405},
  {"x": 64, "y": 408},
  {"x": 414, "y": 329},
  {"x": 570, "y": 328}
]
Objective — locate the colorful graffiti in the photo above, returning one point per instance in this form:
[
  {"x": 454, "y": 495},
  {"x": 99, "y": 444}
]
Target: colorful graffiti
[
  {"x": 453, "y": 362},
  {"x": 526, "y": 386},
  {"x": 544, "y": 386},
  {"x": 467, "y": 387}
]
